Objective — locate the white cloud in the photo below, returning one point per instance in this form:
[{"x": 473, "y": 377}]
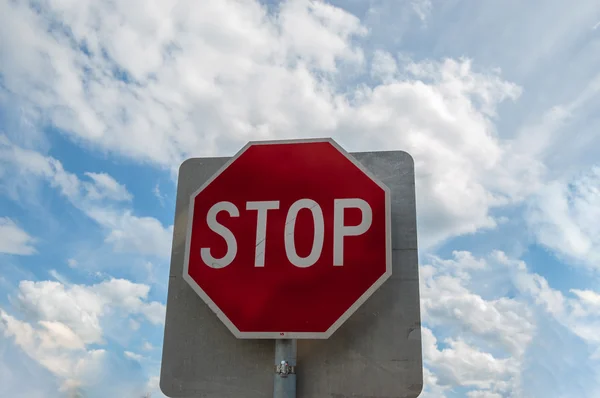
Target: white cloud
[
  {"x": 489, "y": 340},
  {"x": 205, "y": 89},
  {"x": 21, "y": 376},
  {"x": 159, "y": 195},
  {"x": 588, "y": 297},
  {"x": 147, "y": 346},
  {"x": 537, "y": 287},
  {"x": 384, "y": 66},
  {"x": 59, "y": 335},
  {"x": 153, "y": 387},
  {"x": 55, "y": 346},
  {"x": 58, "y": 276},
  {"x": 447, "y": 301},
  {"x": 106, "y": 187},
  {"x": 319, "y": 33},
  {"x": 68, "y": 319},
  {"x": 486, "y": 334},
  {"x": 462, "y": 173},
  {"x": 153, "y": 382},
  {"x": 422, "y": 8},
  {"x": 563, "y": 216},
  {"x": 77, "y": 307},
  {"x": 81, "y": 307},
  {"x": 462, "y": 364},
  {"x": 13, "y": 239},
  {"x": 579, "y": 312},
  {"x": 431, "y": 388},
  {"x": 134, "y": 356},
  {"x": 96, "y": 198},
  {"x": 133, "y": 324},
  {"x": 243, "y": 49},
  {"x": 130, "y": 233},
  {"x": 29, "y": 162}
]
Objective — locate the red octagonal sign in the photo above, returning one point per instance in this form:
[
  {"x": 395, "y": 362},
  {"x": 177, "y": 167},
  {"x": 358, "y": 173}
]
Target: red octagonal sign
[{"x": 288, "y": 239}]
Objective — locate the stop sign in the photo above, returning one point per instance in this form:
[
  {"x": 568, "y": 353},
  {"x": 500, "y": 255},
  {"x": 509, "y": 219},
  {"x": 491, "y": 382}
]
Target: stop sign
[{"x": 288, "y": 239}]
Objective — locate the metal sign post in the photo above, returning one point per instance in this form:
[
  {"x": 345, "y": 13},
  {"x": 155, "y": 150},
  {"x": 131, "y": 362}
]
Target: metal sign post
[{"x": 284, "y": 382}]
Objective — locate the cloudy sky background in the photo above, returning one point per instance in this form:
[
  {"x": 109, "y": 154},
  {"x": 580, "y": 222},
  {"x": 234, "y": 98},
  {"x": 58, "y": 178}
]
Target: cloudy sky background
[{"x": 497, "y": 101}]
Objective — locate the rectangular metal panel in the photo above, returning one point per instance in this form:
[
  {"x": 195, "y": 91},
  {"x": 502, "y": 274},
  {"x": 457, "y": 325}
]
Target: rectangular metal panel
[{"x": 376, "y": 353}]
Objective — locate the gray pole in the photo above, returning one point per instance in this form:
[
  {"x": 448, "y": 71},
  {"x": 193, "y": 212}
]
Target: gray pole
[{"x": 284, "y": 383}]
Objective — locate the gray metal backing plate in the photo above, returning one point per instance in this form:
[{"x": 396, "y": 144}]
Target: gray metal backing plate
[{"x": 376, "y": 353}]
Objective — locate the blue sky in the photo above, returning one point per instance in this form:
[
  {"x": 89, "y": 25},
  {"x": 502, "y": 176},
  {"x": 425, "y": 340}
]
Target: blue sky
[{"x": 496, "y": 101}]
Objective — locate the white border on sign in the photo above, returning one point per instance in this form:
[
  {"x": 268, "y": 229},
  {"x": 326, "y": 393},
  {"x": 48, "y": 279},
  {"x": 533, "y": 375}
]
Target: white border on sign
[{"x": 284, "y": 334}]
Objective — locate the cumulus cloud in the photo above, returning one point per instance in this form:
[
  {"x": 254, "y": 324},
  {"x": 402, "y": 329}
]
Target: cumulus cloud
[
  {"x": 23, "y": 377},
  {"x": 184, "y": 63},
  {"x": 81, "y": 307},
  {"x": 129, "y": 233},
  {"x": 564, "y": 217},
  {"x": 55, "y": 346},
  {"x": 488, "y": 338},
  {"x": 13, "y": 239},
  {"x": 462, "y": 364},
  {"x": 578, "y": 311},
  {"x": 456, "y": 296},
  {"x": 487, "y": 334},
  {"x": 205, "y": 89},
  {"x": 462, "y": 173},
  {"x": 67, "y": 319},
  {"x": 431, "y": 388},
  {"x": 446, "y": 300}
]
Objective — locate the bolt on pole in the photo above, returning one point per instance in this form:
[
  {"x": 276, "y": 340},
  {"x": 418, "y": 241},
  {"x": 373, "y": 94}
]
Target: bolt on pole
[{"x": 284, "y": 382}]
